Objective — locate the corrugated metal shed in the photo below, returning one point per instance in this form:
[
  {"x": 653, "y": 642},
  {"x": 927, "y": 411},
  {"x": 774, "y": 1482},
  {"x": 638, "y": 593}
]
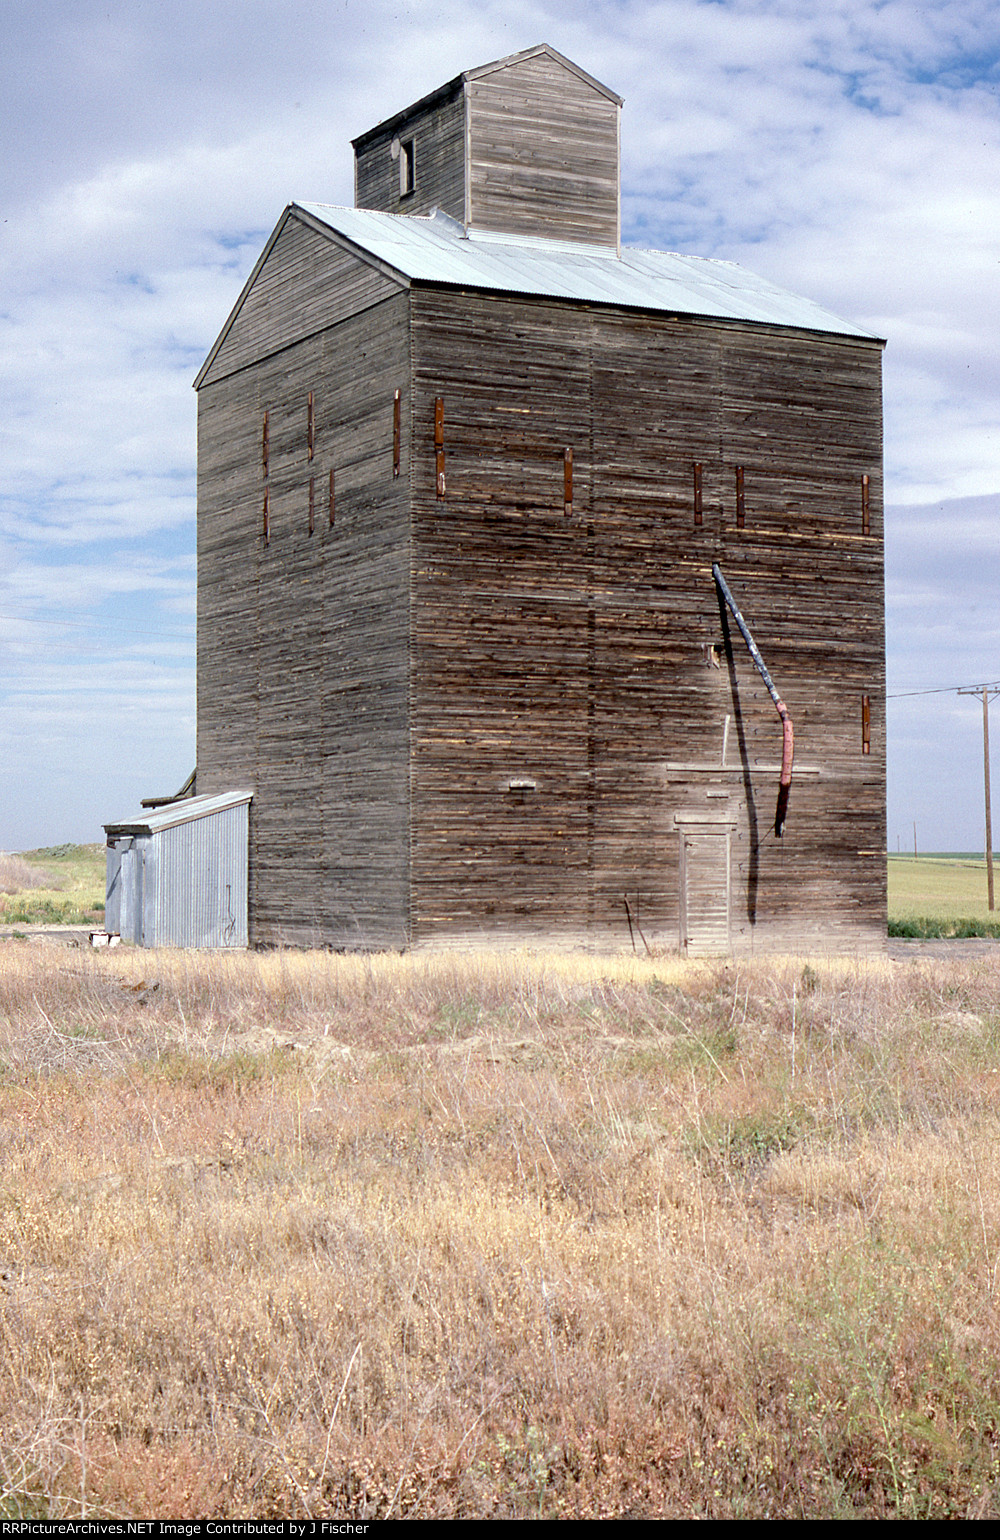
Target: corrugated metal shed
[
  {"x": 178, "y": 876},
  {"x": 439, "y": 250}
]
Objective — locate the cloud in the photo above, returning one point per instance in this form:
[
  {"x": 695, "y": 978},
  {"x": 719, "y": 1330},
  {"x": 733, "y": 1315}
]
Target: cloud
[
  {"x": 849, "y": 151},
  {"x": 943, "y": 630}
]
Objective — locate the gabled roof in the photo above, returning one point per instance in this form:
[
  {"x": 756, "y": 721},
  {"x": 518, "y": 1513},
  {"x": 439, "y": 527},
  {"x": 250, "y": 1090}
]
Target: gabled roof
[
  {"x": 294, "y": 214},
  {"x": 546, "y": 51},
  {"x": 438, "y": 250},
  {"x": 452, "y": 86}
]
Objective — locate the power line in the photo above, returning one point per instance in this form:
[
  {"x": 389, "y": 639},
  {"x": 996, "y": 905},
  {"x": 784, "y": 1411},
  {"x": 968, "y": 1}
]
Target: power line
[
  {"x": 948, "y": 689},
  {"x": 97, "y": 625}
]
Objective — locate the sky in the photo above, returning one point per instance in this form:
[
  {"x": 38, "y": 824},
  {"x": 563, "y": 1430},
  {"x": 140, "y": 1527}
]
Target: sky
[{"x": 848, "y": 150}]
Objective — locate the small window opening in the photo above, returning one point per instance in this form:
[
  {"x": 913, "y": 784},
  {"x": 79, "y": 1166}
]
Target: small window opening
[
  {"x": 407, "y": 168},
  {"x": 866, "y": 516},
  {"x": 698, "y": 507},
  {"x": 866, "y": 725},
  {"x": 741, "y": 507}
]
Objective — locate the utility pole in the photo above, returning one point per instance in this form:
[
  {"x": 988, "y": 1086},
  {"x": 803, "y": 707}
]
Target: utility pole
[{"x": 989, "y": 692}]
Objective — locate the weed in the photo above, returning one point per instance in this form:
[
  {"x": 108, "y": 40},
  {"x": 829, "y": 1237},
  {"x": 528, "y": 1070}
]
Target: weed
[
  {"x": 929, "y": 929},
  {"x": 492, "y": 1236},
  {"x": 66, "y": 852},
  {"x": 746, "y": 1143},
  {"x": 16, "y": 875}
]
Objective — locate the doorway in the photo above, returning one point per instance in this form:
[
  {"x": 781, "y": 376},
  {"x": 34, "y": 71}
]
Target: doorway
[{"x": 705, "y": 885}]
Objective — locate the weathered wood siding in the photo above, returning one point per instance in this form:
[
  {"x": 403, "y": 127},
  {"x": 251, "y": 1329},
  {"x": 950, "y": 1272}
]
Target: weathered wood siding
[
  {"x": 498, "y": 708},
  {"x": 438, "y": 134},
  {"x": 500, "y": 659},
  {"x": 529, "y": 148},
  {"x": 306, "y": 284},
  {"x": 543, "y": 153},
  {"x": 303, "y": 637},
  {"x": 587, "y": 655}
]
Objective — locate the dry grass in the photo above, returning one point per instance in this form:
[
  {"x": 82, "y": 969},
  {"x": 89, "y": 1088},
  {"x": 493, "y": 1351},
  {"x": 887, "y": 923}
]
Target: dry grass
[
  {"x": 16, "y": 876},
  {"x": 299, "y": 1235}
]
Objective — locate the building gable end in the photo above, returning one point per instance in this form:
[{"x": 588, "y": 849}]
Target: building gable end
[
  {"x": 307, "y": 278},
  {"x": 543, "y": 51}
]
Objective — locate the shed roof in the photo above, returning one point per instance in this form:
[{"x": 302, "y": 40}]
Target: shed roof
[
  {"x": 438, "y": 250},
  {"x": 174, "y": 813}
]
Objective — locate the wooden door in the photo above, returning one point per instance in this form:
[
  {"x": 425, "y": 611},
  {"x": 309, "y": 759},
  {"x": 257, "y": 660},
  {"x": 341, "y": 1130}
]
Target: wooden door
[{"x": 705, "y": 889}]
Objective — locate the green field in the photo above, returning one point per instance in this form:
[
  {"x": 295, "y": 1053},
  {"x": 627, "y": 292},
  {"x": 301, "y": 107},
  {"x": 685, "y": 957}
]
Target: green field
[
  {"x": 73, "y": 896},
  {"x": 940, "y": 890}
]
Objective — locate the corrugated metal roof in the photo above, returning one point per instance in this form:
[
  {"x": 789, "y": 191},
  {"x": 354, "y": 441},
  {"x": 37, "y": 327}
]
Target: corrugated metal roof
[
  {"x": 436, "y": 249},
  {"x": 176, "y": 813}
]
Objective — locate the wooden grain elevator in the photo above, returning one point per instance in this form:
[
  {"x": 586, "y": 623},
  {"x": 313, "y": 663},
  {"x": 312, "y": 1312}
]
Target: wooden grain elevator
[{"x": 466, "y": 464}]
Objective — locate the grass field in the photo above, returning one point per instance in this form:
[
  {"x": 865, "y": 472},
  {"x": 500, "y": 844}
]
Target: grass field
[
  {"x": 483, "y": 1236},
  {"x": 941, "y": 889},
  {"x": 64, "y": 886}
]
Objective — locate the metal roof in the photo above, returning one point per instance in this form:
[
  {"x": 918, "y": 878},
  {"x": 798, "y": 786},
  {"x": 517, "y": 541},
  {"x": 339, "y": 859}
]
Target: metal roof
[
  {"x": 437, "y": 249},
  {"x": 184, "y": 811}
]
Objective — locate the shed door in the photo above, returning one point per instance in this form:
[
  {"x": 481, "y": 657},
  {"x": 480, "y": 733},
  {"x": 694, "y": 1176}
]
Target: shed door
[
  {"x": 132, "y": 891},
  {"x": 704, "y": 906}
]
